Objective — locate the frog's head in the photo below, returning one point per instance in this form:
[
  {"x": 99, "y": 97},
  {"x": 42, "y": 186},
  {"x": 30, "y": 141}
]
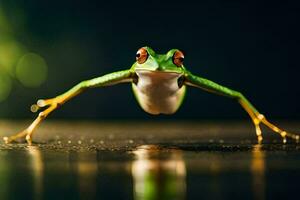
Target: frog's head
[{"x": 148, "y": 60}]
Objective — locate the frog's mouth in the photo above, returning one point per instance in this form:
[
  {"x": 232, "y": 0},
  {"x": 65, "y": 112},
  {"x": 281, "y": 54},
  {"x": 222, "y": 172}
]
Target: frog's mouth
[
  {"x": 157, "y": 77},
  {"x": 167, "y": 74}
]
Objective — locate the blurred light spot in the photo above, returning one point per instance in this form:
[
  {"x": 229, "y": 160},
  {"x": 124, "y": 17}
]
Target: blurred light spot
[
  {"x": 5, "y": 86},
  {"x": 10, "y": 53},
  {"x": 31, "y": 70}
]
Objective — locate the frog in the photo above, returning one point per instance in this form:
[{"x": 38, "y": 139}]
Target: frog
[{"x": 159, "y": 83}]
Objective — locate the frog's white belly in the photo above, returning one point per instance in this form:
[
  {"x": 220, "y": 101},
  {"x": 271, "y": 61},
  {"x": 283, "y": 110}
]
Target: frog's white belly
[{"x": 158, "y": 92}]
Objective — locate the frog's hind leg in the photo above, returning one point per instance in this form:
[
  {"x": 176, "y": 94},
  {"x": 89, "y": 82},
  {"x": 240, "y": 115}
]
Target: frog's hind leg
[
  {"x": 284, "y": 134},
  {"x": 27, "y": 133},
  {"x": 258, "y": 118},
  {"x": 253, "y": 114},
  {"x": 53, "y": 103}
]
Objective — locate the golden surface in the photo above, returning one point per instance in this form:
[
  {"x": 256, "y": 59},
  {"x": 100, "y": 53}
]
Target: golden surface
[{"x": 148, "y": 160}]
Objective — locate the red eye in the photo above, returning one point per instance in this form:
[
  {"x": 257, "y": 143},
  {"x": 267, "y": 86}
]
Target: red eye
[
  {"x": 141, "y": 55},
  {"x": 178, "y": 58}
]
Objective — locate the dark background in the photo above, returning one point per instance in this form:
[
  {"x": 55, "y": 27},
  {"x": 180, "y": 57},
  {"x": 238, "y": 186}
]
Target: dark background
[{"x": 252, "y": 47}]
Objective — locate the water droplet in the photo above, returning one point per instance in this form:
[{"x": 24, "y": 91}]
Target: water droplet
[
  {"x": 79, "y": 142},
  {"x": 284, "y": 140},
  {"x": 69, "y": 141}
]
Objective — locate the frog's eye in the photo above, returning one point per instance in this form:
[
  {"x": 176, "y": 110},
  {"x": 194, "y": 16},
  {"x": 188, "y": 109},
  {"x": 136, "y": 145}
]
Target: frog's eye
[
  {"x": 178, "y": 58},
  {"x": 141, "y": 55}
]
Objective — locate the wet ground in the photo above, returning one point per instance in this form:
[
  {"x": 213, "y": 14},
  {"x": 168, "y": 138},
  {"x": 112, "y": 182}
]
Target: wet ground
[{"x": 149, "y": 160}]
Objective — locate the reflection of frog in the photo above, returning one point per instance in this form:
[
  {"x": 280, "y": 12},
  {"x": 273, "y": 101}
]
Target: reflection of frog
[{"x": 157, "y": 177}]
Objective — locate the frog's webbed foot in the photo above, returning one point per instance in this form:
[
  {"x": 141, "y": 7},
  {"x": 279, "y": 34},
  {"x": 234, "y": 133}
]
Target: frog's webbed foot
[
  {"x": 27, "y": 133},
  {"x": 284, "y": 134}
]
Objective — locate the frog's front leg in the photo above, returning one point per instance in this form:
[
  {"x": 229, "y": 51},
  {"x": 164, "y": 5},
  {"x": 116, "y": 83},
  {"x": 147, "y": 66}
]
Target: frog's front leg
[
  {"x": 54, "y": 103},
  {"x": 256, "y": 117}
]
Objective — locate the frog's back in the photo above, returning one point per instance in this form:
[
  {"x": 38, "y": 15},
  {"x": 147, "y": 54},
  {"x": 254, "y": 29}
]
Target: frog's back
[{"x": 158, "y": 92}]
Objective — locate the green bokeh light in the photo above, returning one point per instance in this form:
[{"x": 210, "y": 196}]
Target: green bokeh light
[
  {"x": 5, "y": 86},
  {"x": 10, "y": 52},
  {"x": 31, "y": 70}
]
